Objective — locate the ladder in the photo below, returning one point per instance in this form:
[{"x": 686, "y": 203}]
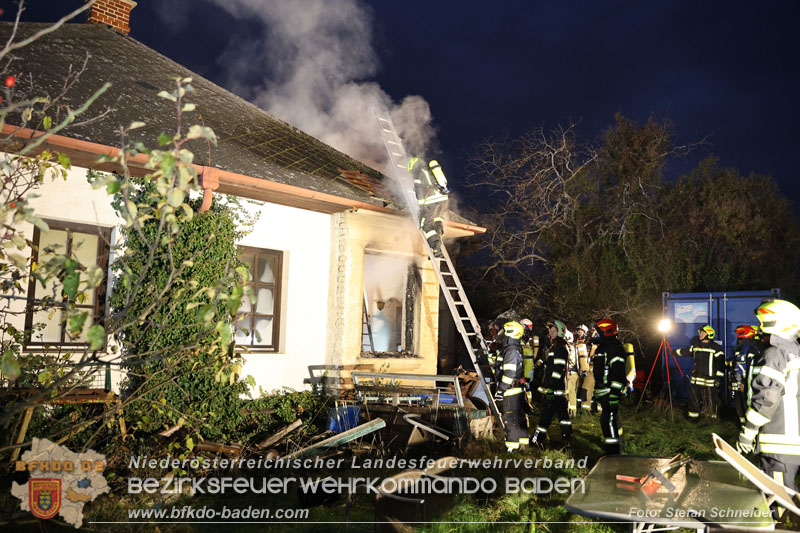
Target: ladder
[
  {"x": 463, "y": 316},
  {"x": 366, "y": 327}
]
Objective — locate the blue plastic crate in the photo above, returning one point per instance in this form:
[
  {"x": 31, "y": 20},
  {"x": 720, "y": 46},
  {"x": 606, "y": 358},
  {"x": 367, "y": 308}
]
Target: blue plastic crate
[{"x": 343, "y": 418}]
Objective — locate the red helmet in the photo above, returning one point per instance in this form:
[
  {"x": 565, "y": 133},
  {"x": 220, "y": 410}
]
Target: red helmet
[
  {"x": 747, "y": 332},
  {"x": 606, "y": 327}
]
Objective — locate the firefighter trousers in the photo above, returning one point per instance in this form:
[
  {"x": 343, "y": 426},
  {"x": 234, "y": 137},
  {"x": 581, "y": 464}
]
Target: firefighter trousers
[
  {"x": 609, "y": 422},
  {"x": 781, "y": 472},
  {"x": 572, "y": 390},
  {"x": 515, "y": 419},
  {"x": 587, "y": 391},
  {"x": 702, "y": 399},
  {"x": 554, "y": 405},
  {"x": 432, "y": 223}
]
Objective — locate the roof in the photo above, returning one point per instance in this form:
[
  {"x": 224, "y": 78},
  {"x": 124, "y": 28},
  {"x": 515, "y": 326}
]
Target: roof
[{"x": 250, "y": 140}]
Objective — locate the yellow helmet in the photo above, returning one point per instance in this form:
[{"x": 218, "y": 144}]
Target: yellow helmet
[
  {"x": 779, "y": 317},
  {"x": 513, "y": 330},
  {"x": 710, "y": 333}
]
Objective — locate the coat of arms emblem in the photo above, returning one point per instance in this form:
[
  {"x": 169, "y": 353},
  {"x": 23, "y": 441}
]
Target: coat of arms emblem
[{"x": 44, "y": 497}]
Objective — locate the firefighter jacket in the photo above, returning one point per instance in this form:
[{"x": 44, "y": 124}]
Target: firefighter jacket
[
  {"x": 555, "y": 368},
  {"x": 609, "y": 368},
  {"x": 584, "y": 362},
  {"x": 426, "y": 189},
  {"x": 743, "y": 354},
  {"x": 511, "y": 369},
  {"x": 709, "y": 361},
  {"x": 774, "y": 413}
]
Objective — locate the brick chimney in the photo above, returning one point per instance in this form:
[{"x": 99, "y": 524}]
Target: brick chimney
[{"x": 115, "y": 13}]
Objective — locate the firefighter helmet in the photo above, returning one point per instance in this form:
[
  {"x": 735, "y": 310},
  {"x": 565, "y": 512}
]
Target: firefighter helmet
[
  {"x": 561, "y": 329},
  {"x": 584, "y": 328},
  {"x": 513, "y": 330},
  {"x": 710, "y": 333},
  {"x": 747, "y": 332},
  {"x": 526, "y": 323},
  {"x": 606, "y": 327},
  {"x": 438, "y": 174},
  {"x": 569, "y": 337},
  {"x": 779, "y": 317}
]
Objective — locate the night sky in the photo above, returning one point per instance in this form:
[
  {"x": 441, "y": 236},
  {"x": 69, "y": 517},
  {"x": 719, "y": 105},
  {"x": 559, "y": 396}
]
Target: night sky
[{"x": 723, "y": 69}]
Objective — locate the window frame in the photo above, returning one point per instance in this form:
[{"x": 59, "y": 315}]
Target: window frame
[
  {"x": 98, "y": 308},
  {"x": 277, "y": 294}
]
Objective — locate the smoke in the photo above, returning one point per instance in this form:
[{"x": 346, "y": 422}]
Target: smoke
[{"x": 312, "y": 66}]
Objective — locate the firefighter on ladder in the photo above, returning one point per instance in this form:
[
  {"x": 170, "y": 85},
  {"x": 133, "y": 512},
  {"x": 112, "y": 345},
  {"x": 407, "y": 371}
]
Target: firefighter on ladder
[
  {"x": 509, "y": 388},
  {"x": 430, "y": 188},
  {"x": 553, "y": 385},
  {"x": 773, "y": 415},
  {"x": 609, "y": 382},
  {"x": 709, "y": 367}
]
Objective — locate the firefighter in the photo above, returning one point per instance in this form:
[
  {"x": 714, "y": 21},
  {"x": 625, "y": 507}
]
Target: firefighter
[
  {"x": 585, "y": 366},
  {"x": 509, "y": 388},
  {"x": 709, "y": 367},
  {"x": 609, "y": 382},
  {"x": 529, "y": 344},
  {"x": 748, "y": 347},
  {"x": 554, "y": 383},
  {"x": 775, "y": 395},
  {"x": 430, "y": 187},
  {"x": 573, "y": 374}
]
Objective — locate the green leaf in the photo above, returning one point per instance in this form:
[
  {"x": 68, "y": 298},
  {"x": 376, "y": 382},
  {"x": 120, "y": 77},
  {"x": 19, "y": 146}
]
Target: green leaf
[
  {"x": 224, "y": 331},
  {"x": 189, "y": 443},
  {"x": 188, "y": 107},
  {"x": 164, "y": 139},
  {"x": 201, "y": 132},
  {"x": 97, "y": 336},
  {"x": 10, "y": 366},
  {"x": 64, "y": 161},
  {"x": 94, "y": 275},
  {"x": 43, "y": 377},
  {"x": 71, "y": 281},
  {"x": 113, "y": 187},
  {"x": 136, "y": 124},
  {"x": 47, "y": 122},
  {"x": 167, "y": 96},
  {"x": 77, "y": 321},
  {"x": 176, "y": 197}
]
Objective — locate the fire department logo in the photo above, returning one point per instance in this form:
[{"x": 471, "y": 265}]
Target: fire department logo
[{"x": 44, "y": 496}]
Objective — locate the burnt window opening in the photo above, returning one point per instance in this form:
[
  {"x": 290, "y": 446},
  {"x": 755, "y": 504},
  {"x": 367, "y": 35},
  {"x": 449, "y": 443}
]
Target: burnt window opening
[{"x": 392, "y": 287}]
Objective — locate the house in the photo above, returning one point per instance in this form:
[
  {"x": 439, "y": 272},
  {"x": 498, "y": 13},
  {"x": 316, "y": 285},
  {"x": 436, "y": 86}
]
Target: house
[{"x": 330, "y": 238}]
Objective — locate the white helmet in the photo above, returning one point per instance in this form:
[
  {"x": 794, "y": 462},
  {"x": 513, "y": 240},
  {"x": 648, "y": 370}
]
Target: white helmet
[
  {"x": 582, "y": 327},
  {"x": 779, "y": 317},
  {"x": 569, "y": 337}
]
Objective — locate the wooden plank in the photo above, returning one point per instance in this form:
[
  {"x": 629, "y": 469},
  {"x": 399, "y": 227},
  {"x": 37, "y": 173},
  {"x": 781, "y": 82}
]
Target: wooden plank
[
  {"x": 26, "y": 420},
  {"x": 207, "y": 446},
  {"x": 277, "y": 437},
  {"x": 342, "y": 438}
]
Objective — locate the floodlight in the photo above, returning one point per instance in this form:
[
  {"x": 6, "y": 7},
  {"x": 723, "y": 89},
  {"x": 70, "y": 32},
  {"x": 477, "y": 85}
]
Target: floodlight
[{"x": 664, "y": 325}]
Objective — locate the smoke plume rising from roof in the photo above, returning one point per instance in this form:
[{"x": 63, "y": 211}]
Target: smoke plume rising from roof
[{"x": 312, "y": 67}]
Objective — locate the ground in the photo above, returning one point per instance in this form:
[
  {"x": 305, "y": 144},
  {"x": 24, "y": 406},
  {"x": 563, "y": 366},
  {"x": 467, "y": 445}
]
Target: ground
[{"x": 652, "y": 431}]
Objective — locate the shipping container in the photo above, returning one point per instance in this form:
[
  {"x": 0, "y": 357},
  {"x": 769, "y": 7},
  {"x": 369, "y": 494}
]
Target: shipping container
[{"x": 688, "y": 311}]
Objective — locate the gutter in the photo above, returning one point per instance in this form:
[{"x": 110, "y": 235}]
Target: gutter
[{"x": 211, "y": 178}]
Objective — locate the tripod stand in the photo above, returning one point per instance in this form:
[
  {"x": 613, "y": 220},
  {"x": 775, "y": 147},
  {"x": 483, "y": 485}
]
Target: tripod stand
[{"x": 667, "y": 352}]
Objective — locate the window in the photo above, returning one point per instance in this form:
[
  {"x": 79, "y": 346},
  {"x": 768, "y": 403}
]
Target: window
[
  {"x": 258, "y": 323},
  {"x": 89, "y": 245},
  {"x": 390, "y": 294}
]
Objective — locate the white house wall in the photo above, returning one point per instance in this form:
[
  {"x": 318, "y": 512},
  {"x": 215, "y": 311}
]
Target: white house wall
[{"x": 304, "y": 237}]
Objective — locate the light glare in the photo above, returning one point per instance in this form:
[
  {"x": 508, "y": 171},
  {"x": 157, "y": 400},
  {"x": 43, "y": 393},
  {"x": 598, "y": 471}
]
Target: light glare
[{"x": 664, "y": 325}]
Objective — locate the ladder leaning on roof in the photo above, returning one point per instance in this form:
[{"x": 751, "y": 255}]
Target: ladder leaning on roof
[{"x": 453, "y": 291}]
